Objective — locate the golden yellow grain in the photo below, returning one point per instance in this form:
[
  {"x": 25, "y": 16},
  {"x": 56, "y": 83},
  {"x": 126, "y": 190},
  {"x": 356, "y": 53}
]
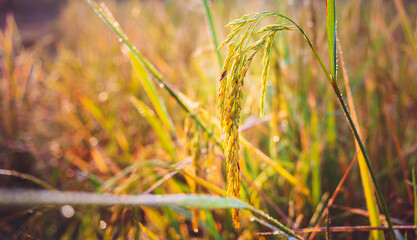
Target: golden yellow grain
[
  {"x": 265, "y": 70},
  {"x": 236, "y": 65}
]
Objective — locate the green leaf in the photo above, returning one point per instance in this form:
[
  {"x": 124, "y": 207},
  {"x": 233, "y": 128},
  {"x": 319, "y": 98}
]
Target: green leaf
[
  {"x": 331, "y": 35},
  {"x": 148, "y": 232},
  {"x": 95, "y": 111},
  {"x": 150, "y": 90},
  {"x": 13, "y": 198},
  {"x": 156, "y": 125}
]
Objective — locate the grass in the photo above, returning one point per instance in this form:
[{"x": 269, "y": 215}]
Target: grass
[{"x": 100, "y": 118}]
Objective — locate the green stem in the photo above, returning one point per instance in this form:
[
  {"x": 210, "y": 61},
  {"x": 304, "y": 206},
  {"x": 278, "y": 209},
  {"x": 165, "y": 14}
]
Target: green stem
[{"x": 213, "y": 32}]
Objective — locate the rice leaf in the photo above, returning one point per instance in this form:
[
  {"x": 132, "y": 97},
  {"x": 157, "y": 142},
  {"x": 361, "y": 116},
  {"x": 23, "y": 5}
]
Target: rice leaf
[
  {"x": 94, "y": 110},
  {"x": 156, "y": 125},
  {"x": 148, "y": 232},
  {"x": 331, "y": 35},
  {"x": 213, "y": 32},
  {"x": 13, "y": 198},
  {"x": 276, "y": 166},
  {"x": 150, "y": 90}
]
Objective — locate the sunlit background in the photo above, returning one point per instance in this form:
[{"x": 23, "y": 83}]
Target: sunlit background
[{"x": 68, "y": 116}]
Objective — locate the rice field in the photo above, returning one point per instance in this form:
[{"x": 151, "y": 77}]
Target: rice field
[{"x": 199, "y": 119}]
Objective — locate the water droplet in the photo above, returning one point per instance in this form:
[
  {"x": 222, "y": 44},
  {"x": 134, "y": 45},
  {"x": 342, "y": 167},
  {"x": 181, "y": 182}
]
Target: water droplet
[
  {"x": 275, "y": 139},
  {"x": 161, "y": 85},
  {"x": 195, "y": 230},
  {"x": 102, "y": 96},
  {"x": 252, "y": 219},
  {"x": 93, "y": 141},
  {"x": 67, "y": 211},
  {"x": 30, "y": 211},
  {"x": 276, "y": 233},
  {"x": 103, "y": 224}
]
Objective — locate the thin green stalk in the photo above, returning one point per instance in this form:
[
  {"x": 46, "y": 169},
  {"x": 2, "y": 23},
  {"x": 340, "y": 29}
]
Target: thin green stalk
[{"x": 213, "y": 32}]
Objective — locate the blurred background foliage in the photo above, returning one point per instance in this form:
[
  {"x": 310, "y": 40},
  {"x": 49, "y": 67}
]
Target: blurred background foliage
[{"x": 67, "y": 116}]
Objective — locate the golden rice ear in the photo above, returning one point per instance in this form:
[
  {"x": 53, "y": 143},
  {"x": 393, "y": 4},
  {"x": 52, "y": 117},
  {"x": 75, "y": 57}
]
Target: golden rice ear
[
  {"x": 265, "y": 70},
  {"x": 236, "y": 65}
]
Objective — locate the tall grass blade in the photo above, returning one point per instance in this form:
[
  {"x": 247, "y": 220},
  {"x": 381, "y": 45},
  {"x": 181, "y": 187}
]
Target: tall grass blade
[
  {"x": 150, "y": 90},
  {"x": 156, "y": 125},
  {"x": 11, "y": 198},
  {"x": 276, "y": 166},
  {"x": 331, "y": 34},
  {"x": 95, "y": 111},
  {"x": 148, "y": 232},
  {"x": 213, "y": 32}
]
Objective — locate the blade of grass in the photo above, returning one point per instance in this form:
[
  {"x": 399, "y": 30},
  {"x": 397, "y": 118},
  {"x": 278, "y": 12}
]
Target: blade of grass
[
  {"x": 156, "y": 125},
  {"x": 109, "y": 183},
  {"x": 213, "y": 32},
  {"x": 276, "y": 166},
  {"x": 366, "y": 181},
  {"x": 331, "y": 34},
  {"x": 168, "y": 176},
  {"x": 10, "y": 198},
  {"x": 148, "y": 232},
  {"x": 150, "y": 90},
  {"x": 94, "y": 110}
]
